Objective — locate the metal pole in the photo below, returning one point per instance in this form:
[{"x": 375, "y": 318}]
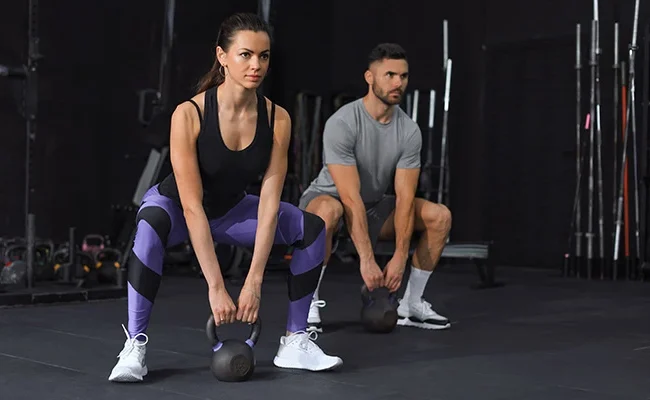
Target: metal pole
[
  {"x": 30, "y": 105},
  {"x": 165, "y": 54},
  {"x": 635, "y": 160},
  {"x": 644, "y": 128},
  {"x": 427, "y": 169},
  {"x": 31, "y": 239},
  {"x": 599, "y": 160},
  {"x": 416, "y": 101},
  {"x": 578, "y": 204},
  {"x": 617, "y": 87},
  {"x": 443, "y": 150},
  {"x": 630, "y": 108}
]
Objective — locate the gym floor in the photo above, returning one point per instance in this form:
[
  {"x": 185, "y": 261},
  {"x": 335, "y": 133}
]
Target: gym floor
[{"x": 538, "y": 337}]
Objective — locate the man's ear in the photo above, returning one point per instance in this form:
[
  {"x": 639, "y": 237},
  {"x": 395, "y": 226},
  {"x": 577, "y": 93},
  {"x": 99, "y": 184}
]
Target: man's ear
[{"x": 368, "y": 77}]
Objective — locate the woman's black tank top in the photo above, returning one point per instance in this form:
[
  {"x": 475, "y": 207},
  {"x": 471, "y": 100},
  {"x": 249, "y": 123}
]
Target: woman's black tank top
[{"x": 225, "y": 173}]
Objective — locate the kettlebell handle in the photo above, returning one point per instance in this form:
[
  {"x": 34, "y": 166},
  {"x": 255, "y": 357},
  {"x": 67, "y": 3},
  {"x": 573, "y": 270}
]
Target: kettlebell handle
[
  {"x": 211, "y": 330},
  {"x": 14, "y": 247},
  {"x": 94, "y": 236},
  {"x": 367, "y": 293}
]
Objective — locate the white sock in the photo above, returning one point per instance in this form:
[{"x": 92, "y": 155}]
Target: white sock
[
  {"x": 416, "y": 284},
  {"x": 322, "y": 272}
]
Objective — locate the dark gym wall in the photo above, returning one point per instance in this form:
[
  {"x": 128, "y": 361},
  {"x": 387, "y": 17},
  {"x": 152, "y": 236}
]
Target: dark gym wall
[
  {"x": 90, "y": 150},
  {"x": 12, "y": 137},
  {"x": 511, "y": 119},
  {"x": 529, "y": 122},
  {"x": 87, "y": 81}
]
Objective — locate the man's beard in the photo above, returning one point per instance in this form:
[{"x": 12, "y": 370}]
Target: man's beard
[{"x": 384, "y": 97}]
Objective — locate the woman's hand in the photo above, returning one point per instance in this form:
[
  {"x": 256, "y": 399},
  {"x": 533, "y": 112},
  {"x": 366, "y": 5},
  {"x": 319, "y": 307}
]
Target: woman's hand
[
  {"x": 249, "y": 302},
  {"x": 222, "y": 306}
]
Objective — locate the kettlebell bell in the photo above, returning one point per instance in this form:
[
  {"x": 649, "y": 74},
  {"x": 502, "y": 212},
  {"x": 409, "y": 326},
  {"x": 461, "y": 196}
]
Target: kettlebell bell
[
  {"x": 379, "y": 310},
  {"x": 233, "y": 360}
]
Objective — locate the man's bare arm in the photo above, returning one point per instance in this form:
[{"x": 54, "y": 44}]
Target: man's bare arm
[
  {"x": 346, "y": 179},
  {"x": 406, "y": 182}
]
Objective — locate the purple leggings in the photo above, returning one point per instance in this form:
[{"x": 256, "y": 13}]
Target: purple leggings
[{"x": 160, "y": 224}]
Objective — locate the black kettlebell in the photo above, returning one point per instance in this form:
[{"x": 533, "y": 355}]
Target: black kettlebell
[
  {"x": 379, "y": 310},
  {"x": 233, "y": 360}
]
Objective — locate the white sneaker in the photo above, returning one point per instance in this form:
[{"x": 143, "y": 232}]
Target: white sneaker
[
  {"x": 420, "y": 315},
  {"x": 131, "y": 366},
  {"x": 299, "y": 351},
  {"x": 313, "y": 320}
]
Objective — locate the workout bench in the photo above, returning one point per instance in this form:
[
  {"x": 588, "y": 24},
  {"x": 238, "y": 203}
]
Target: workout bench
[{"x": 477, "y": 252}]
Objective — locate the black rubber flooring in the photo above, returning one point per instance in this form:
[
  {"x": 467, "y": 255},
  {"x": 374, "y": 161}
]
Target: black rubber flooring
[{"x": 539, "y": 337}]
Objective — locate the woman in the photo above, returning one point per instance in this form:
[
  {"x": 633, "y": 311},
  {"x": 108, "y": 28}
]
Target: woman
[{"x": 222, "y": 140}]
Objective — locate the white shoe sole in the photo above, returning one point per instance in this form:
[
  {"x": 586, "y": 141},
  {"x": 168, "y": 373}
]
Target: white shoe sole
[
  {"x": 290, "y": 364},
  {"x": 422, "y": 325},
  {"x": 315, "y": 328},
  {"x": 128, "y": 375}
]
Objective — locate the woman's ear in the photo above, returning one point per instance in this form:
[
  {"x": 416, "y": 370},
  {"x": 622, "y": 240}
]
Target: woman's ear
[{"x": 221, "y": 55}]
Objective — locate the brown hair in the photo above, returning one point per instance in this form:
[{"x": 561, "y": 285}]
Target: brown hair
[{"x": 227, "y": 31}]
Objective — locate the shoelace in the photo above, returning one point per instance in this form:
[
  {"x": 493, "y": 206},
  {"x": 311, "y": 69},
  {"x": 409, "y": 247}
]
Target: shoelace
[
  {"x": 425, "y": 303},
  {"x": 306, "y": 339},
  {"x": 132, "y": 342},
  {"x": 427, "y": 308},
  {"x": 318, "y": 303}
]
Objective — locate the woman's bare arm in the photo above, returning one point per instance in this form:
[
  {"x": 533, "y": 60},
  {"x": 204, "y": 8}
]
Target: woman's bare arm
[
  {"x": 185, "y": 126},
  {"x": 270, "y": 195}
]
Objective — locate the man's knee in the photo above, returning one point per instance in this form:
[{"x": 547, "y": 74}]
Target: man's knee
[
  {"x": 328, "y": 208},
  {"x": 436, "y": 217}
]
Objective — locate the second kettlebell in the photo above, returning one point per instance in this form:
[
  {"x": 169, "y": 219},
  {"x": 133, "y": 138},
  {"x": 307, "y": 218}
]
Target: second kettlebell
[{"x": 379, "y": 310}]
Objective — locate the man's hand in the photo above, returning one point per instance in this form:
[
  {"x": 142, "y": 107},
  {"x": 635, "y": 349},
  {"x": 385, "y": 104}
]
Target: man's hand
[
  {"x": 371, "y": 274},
  {"x": 249, "y": 302},
  {"x": 394, "y": 272},
  {"x": 222, "y": 306}
]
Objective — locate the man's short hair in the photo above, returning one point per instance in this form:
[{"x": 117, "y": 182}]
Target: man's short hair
[{"x": 387, "y": 51}]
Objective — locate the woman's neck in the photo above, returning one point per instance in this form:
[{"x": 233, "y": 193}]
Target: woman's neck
[{"x": 235, "y": 98}]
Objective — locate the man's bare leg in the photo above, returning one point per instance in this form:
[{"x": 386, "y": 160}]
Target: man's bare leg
[
  {"x": 434, "y": 223},
  {"x": 331, "y": 211}
]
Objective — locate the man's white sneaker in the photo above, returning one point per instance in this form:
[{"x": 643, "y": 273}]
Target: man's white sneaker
[
  {"x": 313, "y": 320},
  {"x": 420, "y": 315},
  {"x": 298, "y": 351},
  {"x": 131, "y": 366}
]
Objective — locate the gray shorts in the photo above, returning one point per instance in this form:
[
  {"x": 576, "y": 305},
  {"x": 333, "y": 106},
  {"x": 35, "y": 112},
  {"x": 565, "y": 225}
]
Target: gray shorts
[{"x": 376, "y": 213}]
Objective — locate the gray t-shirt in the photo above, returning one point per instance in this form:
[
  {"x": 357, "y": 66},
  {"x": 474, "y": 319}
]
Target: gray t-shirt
[{"x": 353, "y": 137}]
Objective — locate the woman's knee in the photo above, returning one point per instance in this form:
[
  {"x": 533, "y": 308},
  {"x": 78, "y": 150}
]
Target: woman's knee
[
  {"x": 313, "y": 229},
  {"x": 158, "y": 219},
  {"x": 153, "y": 225}
]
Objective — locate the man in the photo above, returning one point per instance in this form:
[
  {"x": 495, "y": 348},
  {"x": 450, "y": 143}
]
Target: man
[{"x": 367, "y": 145}]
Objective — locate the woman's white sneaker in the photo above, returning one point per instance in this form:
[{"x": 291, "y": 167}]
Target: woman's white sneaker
[
  {"x": 299, "y": 351},
  {"x": 131, "y": 366}
]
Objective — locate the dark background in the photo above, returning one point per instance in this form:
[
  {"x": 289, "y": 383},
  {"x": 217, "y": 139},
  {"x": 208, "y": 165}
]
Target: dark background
[{"x": 512, "y": 116}]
